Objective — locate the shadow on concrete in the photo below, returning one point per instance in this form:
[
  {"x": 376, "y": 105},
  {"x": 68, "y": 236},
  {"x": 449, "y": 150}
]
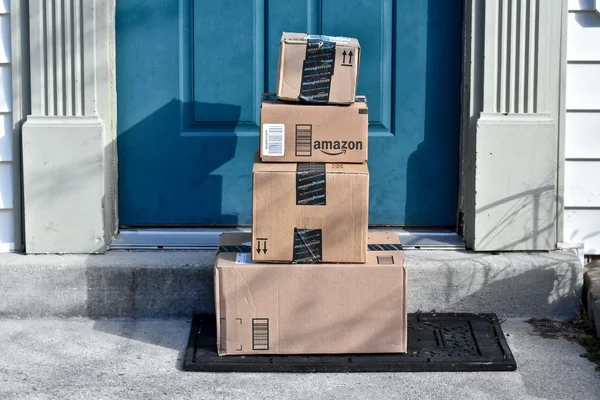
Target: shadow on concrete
[
  {"x": 511, "y": 284},
  {"x": 169, "y": 284},
  {"x": 171, "y": 334},
  {"x": 163, "y": 333}
]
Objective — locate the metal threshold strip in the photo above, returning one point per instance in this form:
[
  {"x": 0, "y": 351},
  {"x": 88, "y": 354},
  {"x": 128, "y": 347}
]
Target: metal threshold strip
[{"x": 208, "y": 238}]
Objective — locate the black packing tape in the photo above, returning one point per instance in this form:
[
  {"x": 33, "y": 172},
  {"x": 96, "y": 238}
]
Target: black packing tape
[
  {"x": 248, "y": 249},
  {"x": 234, "y": 249},
  {"x": 311, "y": 184},
  {"x": 317, "y": 71},
  {"x": 384, "y": 247},
  {"x": 308, "y": 246}
]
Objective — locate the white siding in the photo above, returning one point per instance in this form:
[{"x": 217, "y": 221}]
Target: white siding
[
  {"x": 7, "y": 212},
  {"x": 583, "y": 86},
  {"x": 582, "y": 136},
  {"x": 582, "y": 184},
  {"x": 581, "y": 226}
]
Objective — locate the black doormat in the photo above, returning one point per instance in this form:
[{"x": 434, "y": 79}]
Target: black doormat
[{"x": 436, "y": 343}]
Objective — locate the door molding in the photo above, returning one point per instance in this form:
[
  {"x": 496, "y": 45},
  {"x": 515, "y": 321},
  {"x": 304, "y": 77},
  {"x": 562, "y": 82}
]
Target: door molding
[
  {"x": 483, "y": 126},
  {"x": 19, "y": 21}
]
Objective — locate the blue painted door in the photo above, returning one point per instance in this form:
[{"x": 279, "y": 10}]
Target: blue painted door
[{"x": 189, "y": 79}]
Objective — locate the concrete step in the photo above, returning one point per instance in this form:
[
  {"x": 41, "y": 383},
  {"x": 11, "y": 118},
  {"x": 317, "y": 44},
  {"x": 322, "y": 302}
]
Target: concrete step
[{"x": 179, "y": 283}]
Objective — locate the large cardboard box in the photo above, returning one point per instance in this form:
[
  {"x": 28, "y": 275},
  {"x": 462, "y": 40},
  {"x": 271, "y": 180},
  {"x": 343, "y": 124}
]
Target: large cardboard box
[
  {"x": 317, "y": 69},
  {"x": 310, "y": 212},
  {"x": 314, "y": 133},
  {"x": 311, "y": 309}
]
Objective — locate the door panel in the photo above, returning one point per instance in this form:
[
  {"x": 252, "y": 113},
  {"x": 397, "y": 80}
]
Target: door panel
[
  {"x": 228, "y": 58},
  {"x": 189, "y": 79},
  {"x": 371, "y": 23}
]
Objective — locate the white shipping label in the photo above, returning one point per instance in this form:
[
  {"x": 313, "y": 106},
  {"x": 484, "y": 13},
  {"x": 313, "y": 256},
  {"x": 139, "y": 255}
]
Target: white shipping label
[
  {"x": 243, "y": 258},
  {"x": 273, "y": 140}
]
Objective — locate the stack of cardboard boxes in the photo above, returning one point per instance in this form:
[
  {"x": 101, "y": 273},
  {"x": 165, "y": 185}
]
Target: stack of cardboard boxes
[{"x": 311, "y": 279}]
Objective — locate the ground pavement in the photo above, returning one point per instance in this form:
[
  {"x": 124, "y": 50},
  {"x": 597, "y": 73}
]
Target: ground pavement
[{"x": 141, "y": 359}]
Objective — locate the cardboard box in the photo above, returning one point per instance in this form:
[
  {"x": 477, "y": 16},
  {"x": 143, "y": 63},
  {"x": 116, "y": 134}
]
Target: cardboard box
[
  {"x": 311, "y": 133},
  {"x": 310, "y": 212},
  {"x": 311, "y": 309},
  {"x": 317, "y": 68}
]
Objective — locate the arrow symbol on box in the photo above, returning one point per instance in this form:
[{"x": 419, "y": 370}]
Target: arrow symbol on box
[
  {"x": 258, "y": 250},
  {"x": 350, "y": 57},
  {"x": 265, "y": 247},
  {"x": 344, "y": 54}
]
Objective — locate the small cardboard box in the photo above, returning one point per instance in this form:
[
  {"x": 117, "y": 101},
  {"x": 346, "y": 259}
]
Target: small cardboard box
[
  {"x": 311, "y": 309},
  {"x": 314, "y": 133},
  {"x": 310, "y": 212},
  {"x": 317, "y": 68}
]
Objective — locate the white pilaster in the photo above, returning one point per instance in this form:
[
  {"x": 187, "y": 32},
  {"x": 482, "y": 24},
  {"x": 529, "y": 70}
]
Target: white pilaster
[
  {"x": 510, "y": 141},
  {"x": 72, "y": 119}
]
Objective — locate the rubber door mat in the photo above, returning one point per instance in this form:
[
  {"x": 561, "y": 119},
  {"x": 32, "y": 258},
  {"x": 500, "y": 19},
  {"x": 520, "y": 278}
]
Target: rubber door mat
[{"x": 440, "y": 342}]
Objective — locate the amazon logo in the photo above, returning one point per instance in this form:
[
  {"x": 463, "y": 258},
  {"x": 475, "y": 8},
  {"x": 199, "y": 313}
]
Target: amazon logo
[{"x": 337, "y": 147}]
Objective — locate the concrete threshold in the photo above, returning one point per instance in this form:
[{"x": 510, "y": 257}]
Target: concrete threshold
[{"x": 174, "y": 284}]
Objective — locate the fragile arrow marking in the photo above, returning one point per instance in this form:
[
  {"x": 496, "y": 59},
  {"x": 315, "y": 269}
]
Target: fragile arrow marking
[
  {"x": 350, "y": 55},
  {"x": 264, "y": 240}
]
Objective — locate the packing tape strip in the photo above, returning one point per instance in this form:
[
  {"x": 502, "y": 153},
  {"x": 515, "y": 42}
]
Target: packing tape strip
[
  {"x": 385, "y": 247},
  {"x": 308, "y": 246},
  {"x": 234, "y": 249},
  {"x": 371, "y": 247},
  {"x": 317, "y": 70},
  {"x": 311, "y": 184}
]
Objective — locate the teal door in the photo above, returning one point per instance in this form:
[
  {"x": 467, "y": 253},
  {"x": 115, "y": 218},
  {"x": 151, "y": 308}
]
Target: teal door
[{"x": 189, "y": 79}]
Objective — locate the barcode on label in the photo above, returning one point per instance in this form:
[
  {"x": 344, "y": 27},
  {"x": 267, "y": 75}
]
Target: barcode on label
[
  {"x": 273, "y": 140},
  {"x": 260, "y": 334}
]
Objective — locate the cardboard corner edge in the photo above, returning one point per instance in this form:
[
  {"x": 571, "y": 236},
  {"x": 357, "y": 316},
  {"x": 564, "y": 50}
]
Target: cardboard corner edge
[
  {"x": 405, "y": 307},
  {"x": 279, "y": 84},
  {"x": 218, "y": 295},
  {"x": 253, "y": 233}
]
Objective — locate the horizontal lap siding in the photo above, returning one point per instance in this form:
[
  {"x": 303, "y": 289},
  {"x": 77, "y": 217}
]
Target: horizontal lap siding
[
  {"x": 581, "y": 226},
  {"x": 582, "y": 137}
]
